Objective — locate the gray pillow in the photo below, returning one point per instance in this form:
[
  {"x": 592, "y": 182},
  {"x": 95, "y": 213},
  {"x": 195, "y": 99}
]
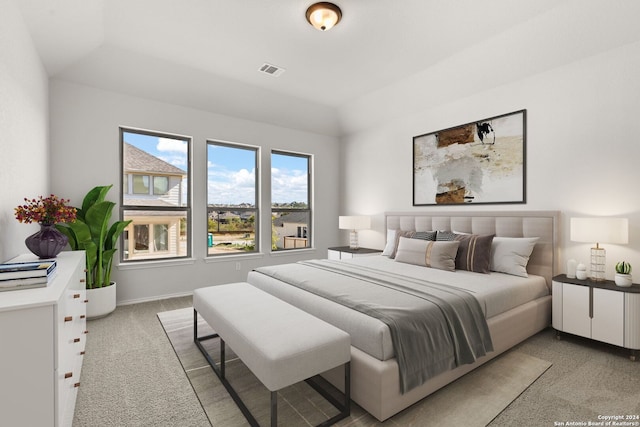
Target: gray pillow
[
  {"x": 425, "y": 235},
  {"x": 445, "y": 236},
  {"x": 428, "y": 253},
  {"x": 474, "y": 253}
]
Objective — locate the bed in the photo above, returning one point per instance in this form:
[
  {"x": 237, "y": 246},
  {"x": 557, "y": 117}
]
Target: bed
[{"x": 515, "y": 307}]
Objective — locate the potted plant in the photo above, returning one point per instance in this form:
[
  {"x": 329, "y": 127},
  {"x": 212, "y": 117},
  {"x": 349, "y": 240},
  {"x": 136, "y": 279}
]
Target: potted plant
[
  {"x": 623, "y": 274},
  {"x": 92, "y": 233}
]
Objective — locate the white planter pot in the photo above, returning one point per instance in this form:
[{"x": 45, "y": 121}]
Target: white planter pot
[
  {"x": 623, "y": 280},
  {"x": 101, "y": 301}
]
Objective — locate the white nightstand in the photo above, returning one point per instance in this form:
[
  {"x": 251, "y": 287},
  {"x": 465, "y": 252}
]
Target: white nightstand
[
  {"x": 345, "y": 252},
  {"x": 598, "y": 310}
]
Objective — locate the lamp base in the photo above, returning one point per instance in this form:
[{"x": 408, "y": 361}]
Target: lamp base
[
  {"x": 353, "y": 240},
  {"x": 598, "y": 261}
]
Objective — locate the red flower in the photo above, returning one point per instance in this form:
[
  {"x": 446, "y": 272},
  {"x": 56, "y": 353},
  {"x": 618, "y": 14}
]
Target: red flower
[{"x": 46, "y": 210}]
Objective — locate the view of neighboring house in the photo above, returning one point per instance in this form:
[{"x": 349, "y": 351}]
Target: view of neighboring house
[
  {"x": 151, "y": 182},
  {"x": 291, "y": 229}
]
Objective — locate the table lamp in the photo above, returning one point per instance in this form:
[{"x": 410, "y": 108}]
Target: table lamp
[
  {"x": 354, "y": 223},
  {"x": 599, "y": 230}
]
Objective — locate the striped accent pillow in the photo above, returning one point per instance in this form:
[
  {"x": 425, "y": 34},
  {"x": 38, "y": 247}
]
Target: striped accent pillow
[
  {"x": 427, "y": 253},
  {"x": 474, "y": 252}
]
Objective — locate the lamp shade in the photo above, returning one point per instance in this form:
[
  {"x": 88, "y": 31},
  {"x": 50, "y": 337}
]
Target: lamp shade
[
  {"x": 358, "y": 222},
  {"x": 600, "y": 230},
  {"x": 323, "y": 15}
]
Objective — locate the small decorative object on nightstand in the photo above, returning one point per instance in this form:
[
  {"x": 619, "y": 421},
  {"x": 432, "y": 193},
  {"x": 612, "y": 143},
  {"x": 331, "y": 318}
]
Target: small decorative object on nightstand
[
  {"x": 571, "y": 268},
  {"x": 581, "y": 272},
  {"x": 623, "y": 274}
]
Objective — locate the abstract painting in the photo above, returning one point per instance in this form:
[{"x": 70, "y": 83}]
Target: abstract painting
[{"x": 476, "y": 163}]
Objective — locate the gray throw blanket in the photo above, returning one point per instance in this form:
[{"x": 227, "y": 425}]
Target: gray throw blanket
[{"x": 434, "y": 327}]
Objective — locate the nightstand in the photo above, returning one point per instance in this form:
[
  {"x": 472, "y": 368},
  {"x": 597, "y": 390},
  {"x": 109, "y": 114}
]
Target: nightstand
[
  {"x": 598, "y": 310},
  {"x": 345, "y": 252}
]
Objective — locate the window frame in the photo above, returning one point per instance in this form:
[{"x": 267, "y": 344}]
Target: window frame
[
  {"x": 255, "y": 209},
  {"x": 308, "y": 209},
  {"x": 187, "y": 209}
]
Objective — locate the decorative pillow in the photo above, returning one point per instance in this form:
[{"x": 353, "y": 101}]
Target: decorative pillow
[
  {"x": 393, "y": 236},
  {"x": 511, "y": 254},
  {"x": 445, "y": 236},
  {"x": 425, "y": 235},
  {"x": 391, "y": 243},
  {"x": 428, "y": 253},
  {"x": 474, "y": 253}
]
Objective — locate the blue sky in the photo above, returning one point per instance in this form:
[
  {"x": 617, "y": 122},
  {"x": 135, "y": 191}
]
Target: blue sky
[{"x": 231, "y": 172}]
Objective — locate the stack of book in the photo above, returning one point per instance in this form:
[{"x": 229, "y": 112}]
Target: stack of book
[{"x": 25, "y": 275}]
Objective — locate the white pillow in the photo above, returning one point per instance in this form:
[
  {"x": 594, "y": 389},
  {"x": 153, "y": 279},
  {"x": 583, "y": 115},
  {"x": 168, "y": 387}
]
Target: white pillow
[
  {"x": 391, "y": 243},
  {"x": 510, "y": 255}
]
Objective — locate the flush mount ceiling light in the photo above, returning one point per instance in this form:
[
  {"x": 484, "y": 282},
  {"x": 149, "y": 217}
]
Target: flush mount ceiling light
[{"x": 323, "y": 15}]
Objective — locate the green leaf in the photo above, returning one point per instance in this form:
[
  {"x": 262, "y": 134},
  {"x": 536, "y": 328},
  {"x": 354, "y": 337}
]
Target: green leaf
[{"x": 91, "y": 232}]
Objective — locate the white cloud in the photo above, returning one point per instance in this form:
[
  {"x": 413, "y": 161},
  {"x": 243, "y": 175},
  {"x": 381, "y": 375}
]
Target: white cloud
[
  {"x": 288, "y": 186},
  {"x": 172, "y": 145},
  {"x": 231, "y": 187}
]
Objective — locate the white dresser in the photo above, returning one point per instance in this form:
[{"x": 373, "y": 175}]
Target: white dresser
[{"x": 42, "y": 341}]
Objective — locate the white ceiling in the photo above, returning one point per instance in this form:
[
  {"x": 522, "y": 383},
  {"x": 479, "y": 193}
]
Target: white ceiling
[{"x": 206, "y": 53}]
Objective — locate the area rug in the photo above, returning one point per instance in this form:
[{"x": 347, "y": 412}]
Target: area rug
[{"x": 473, "y": 400}]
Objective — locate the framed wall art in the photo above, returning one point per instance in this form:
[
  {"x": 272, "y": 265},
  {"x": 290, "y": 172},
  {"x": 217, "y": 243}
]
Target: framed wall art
[{"x": 480, "y": 162}]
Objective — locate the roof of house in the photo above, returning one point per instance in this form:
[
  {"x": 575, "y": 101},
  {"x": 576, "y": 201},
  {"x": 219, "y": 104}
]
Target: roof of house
[
  {"x": 292, "y": 218},
  {"x": 137, "y": 160}
]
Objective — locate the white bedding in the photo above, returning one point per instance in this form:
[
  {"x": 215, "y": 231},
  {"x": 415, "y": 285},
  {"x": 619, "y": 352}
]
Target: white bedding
[{"x": 496, "y": 292}]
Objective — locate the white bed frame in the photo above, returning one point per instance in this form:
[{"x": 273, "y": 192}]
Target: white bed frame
[{"x": 375, "y": 384}]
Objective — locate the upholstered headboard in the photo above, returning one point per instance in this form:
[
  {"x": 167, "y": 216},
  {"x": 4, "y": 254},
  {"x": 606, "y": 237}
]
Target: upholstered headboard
[{"x": 541, "y": 224}]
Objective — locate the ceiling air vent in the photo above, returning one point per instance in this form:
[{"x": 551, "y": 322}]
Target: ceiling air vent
[{"x": 272, "y": 70}]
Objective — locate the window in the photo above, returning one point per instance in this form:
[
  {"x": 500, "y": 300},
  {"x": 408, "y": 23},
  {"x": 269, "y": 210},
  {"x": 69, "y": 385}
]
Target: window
[
  {"x": 290, "y": 201},
  {"x": 155, "y": 195},
  {"x": 232, "y": 198},
  {"x": 160, "y": 185}
]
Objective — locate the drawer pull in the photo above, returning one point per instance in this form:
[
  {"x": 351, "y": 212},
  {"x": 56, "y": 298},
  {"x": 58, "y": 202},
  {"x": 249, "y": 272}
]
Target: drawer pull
[
  {"x": 86, "y": 301},
  {"x": 82, "y": 353},
  {"x": 76, "y": 296},
  {"x": 68, "y": 318},
  {"x": 76, "y": 385},
  {"x": 76, "y": 340},
  {"x": 68, "y": 375},
  {"x": 83, "y": 280},
  {"x": 82, "y": 316},
  {"x": 85, "y": 332}
]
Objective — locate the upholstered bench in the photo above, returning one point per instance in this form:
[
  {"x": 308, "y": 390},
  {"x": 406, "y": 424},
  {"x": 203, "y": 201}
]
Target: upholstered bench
[{"x": 281, "y": 344}]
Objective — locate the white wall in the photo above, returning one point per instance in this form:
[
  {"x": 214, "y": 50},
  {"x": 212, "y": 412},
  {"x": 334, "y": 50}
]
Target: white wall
[
  {"x": 85, "y": 153},
  {"x": 24, "y": 164},
  {"x": 582, "y": 148}
]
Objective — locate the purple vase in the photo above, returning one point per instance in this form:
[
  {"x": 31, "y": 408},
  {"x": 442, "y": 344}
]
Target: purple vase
[{"x": 46, "y": 243}]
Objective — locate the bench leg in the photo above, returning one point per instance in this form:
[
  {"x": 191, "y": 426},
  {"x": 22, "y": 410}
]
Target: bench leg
[
  {"x": 274, "y": 409},
  {"x": 343, "y": 407}
]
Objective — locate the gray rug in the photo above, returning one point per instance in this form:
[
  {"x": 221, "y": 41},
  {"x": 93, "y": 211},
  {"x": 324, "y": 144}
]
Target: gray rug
[{"x": 473, "y": 400}]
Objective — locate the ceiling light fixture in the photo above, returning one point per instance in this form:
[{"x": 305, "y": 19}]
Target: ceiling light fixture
[{"x": 323, "y": 15}]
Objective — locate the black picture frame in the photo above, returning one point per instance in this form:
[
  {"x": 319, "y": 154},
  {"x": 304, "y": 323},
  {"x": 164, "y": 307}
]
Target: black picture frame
[{"x": 477, "y": 163}]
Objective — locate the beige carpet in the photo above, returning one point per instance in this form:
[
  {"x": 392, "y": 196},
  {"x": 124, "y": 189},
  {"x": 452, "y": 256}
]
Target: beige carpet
[{"x": 473, "y": 400}]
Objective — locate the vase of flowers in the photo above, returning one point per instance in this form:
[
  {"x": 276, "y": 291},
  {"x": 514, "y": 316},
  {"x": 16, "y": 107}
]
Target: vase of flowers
[{"x": 46, "y": 211}]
